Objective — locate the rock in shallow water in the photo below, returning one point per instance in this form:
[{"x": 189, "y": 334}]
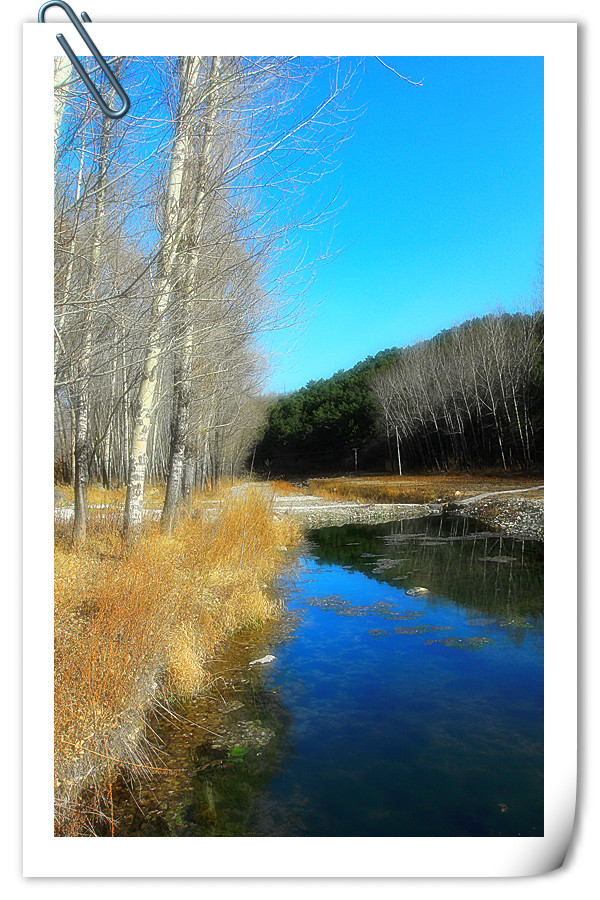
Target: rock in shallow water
[{"x": 418, "y": 592}]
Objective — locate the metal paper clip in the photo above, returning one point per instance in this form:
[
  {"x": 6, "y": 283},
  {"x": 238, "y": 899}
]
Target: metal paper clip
[{"x": 97, "y": 56}]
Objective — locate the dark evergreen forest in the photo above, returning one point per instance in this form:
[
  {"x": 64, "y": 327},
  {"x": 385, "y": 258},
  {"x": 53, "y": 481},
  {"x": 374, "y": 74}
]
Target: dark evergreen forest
[{"x": 470, "y": 397}]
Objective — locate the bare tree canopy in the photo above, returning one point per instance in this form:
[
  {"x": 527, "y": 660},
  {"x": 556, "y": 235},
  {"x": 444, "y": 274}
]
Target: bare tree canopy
[{"x": 179, "y": 238}]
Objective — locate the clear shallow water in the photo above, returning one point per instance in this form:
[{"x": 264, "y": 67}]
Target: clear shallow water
[{"x": 388, "y": 711}]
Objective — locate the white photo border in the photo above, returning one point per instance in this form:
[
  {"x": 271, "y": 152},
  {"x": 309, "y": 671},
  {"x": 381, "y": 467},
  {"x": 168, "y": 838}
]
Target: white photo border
[{"x": 45, "y": 855}]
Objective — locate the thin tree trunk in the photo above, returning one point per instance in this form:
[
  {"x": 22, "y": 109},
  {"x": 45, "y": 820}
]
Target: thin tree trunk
[
  {"x": 179, "y": 434},
  {"x": 62, "y": 73},
  {"x": 81, "y": 446},
  {"x": 66, "y": 289},
  {"x": 126, "y": 448},
  {"x": 64, "y": 447},
  {"x": 84, "y": 363}
]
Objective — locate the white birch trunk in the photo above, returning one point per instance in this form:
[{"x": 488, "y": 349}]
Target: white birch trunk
[
  {"x": 81, "y": 445},
  {"x": 183, "y": 390},
  {"x": 134, "y": 501},
  {"x": 398, "y": 452}
]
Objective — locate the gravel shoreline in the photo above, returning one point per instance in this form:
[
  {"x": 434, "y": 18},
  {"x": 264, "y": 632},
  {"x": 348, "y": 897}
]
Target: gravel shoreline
[
  {"x": 516, "y": 517},
  {"x": 354, "y": 513}
]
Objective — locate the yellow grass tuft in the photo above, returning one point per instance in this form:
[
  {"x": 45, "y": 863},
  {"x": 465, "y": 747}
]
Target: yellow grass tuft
[{"x": 185, "y": 673}]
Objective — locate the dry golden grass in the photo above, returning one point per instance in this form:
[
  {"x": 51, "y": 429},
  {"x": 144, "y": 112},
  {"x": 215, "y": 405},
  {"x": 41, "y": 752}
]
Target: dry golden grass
[
  {"x": 286, "y": 487},
  {"x": 133, "y": 627},
  {"x": 115, "y": 495},
  {"x": 421, "y": 488}
]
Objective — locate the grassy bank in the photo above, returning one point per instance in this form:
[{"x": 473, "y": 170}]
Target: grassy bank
[
  {"x": 440, "y": 488},
  {"x": 133, "y": 628}
]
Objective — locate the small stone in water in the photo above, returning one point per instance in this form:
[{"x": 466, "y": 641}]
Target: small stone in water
[
  {"x": 263, "y": 660},
  {"x": 418, "y": 592}
]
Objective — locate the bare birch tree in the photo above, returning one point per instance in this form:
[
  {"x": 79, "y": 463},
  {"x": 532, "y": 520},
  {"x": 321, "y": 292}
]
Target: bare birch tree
[{"x": 174, "y": 217}]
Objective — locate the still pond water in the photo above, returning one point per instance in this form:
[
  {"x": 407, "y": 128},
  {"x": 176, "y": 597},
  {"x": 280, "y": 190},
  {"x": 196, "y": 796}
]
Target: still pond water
[{"x": 405, "y": 699}]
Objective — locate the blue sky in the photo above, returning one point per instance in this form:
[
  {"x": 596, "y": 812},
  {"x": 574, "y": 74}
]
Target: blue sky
[{"x": 443, "y": 215}]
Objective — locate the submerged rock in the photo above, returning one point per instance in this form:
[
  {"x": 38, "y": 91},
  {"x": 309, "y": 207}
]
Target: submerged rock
[
  {"x": 334, "y": 601},
  {"x": 244, "y": 736},
  {"x": 516, "y": 621},
  {"x": 402, "y": 616},
  {"x": 269, "y": 658},
  {"x": 354, "y": 611},
  {"x": 472, "y": 643},
  {"x": 383, "y": 565},
  {"x": 501, "y": 559},
  {"x": 232, "y": 706},
  {"x": 421, "y": 629}
]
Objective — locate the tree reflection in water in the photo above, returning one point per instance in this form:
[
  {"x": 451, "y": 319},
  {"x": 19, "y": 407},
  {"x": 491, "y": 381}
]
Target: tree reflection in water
[{"x": 454, "y": 558}]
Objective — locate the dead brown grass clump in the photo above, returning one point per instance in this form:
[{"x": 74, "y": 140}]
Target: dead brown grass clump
[{"x": 133, "y": 627}]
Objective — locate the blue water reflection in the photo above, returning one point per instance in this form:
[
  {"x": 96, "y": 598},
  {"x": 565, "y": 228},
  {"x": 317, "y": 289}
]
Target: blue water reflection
[{"x": 404, "y": 730}]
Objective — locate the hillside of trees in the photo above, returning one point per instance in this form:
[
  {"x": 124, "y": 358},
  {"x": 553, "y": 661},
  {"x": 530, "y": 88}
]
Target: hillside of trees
[
  {"x": 470, "y": 397},
  {"x": 318, "y": 426}
]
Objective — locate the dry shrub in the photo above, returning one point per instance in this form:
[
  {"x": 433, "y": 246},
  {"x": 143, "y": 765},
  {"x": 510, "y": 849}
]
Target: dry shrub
[{"x": 131, "y": 627}]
